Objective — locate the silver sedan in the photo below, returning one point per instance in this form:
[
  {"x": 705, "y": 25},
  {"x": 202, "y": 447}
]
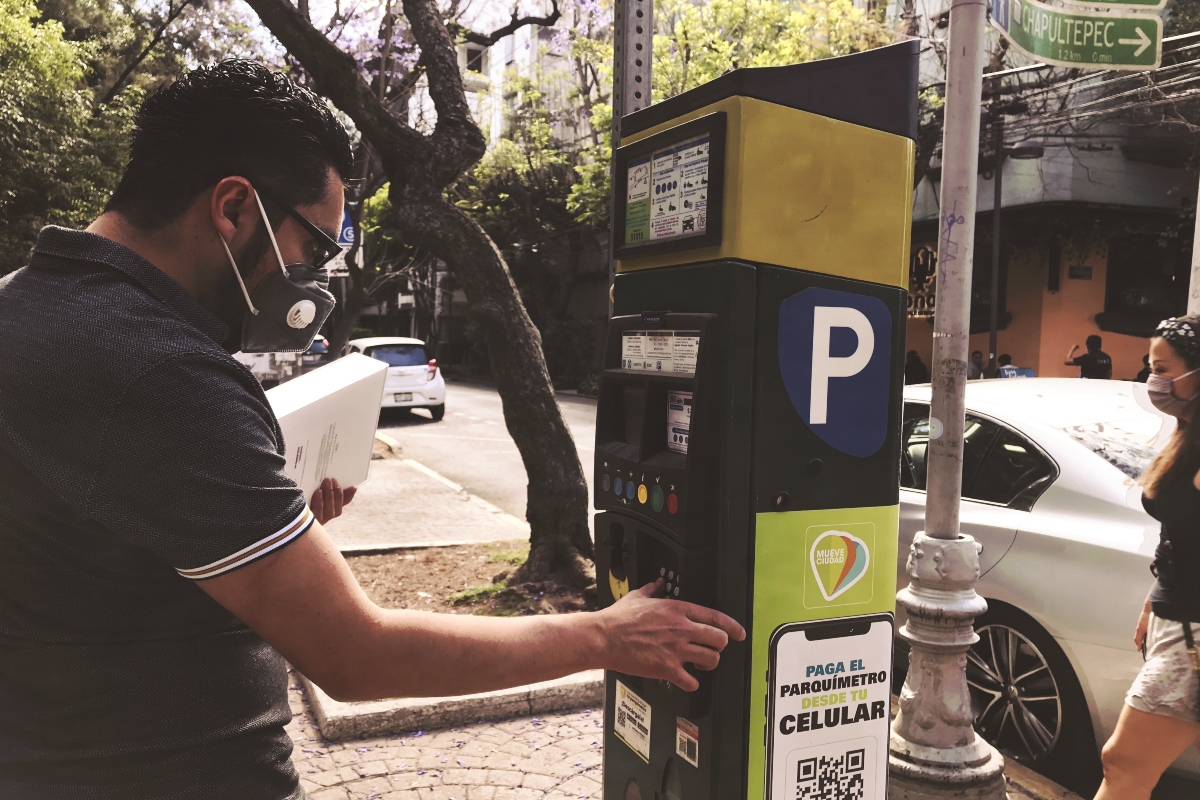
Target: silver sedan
[{"x": 1049, "y": 490}]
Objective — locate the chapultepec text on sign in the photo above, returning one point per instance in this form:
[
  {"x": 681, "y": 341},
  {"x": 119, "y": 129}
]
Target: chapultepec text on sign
[{"x": 1071, "y": 36}]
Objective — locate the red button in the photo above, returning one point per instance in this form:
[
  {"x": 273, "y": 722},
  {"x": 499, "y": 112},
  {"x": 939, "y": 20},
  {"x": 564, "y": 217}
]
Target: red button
[{"x": 672, "y": 503}]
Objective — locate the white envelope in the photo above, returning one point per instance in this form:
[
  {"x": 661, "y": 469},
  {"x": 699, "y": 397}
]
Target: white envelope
[{"x": 328, "y": 417}]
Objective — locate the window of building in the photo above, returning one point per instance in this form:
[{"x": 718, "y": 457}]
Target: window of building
[
  {"x": 922, "y": 282},
  {"x": 1147, "y": 282},
  {"x": 477, "y": 59}
]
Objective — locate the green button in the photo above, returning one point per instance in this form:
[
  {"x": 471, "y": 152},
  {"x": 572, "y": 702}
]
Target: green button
[{"x": 656, "y": 498}]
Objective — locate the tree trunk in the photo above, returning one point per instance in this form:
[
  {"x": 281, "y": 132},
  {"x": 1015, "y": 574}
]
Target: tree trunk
[
  {"x": 557, "y": 496},
  {"x": 352, "y": 307},
  {"x": 420, "y": 168}
]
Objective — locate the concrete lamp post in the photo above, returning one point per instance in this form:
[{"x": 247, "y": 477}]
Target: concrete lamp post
[{"x": 1023, "y": 151}]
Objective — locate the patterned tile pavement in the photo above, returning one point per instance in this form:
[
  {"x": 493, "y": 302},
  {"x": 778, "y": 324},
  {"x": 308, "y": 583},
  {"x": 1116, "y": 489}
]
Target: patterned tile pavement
[{"x": 554, "y": 757}]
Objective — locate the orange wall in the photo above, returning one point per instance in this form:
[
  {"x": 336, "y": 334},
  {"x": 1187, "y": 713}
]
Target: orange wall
[
  {"x": 1045, "y": 324},
  {"x": 1069, "y": 317}
]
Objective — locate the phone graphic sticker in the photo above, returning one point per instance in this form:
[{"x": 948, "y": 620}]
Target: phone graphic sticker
[{"x": 828, "y": 718}]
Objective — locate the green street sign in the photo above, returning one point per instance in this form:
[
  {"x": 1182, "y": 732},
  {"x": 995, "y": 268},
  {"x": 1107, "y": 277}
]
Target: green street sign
[
  {"x": 1069, "y": 37},
  {"x": 1137, "y": 5}
]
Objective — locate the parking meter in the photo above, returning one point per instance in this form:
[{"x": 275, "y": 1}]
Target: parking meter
[{"x": 748, "y": 427}]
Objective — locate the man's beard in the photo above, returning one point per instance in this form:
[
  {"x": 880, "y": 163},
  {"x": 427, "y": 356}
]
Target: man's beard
[{"x": 231, "y": 305}]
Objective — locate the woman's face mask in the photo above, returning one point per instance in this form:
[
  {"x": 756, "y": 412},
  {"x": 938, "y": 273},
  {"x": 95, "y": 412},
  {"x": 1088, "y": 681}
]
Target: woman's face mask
[
  {"x": 1161, "y": 390},
  {"x": 288, "y": 308}
]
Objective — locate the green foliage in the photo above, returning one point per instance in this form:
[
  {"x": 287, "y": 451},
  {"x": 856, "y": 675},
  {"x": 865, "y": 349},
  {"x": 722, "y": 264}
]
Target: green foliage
[
  {"x": 57, "y": 158},
  {"x": 570, "y": 349},
  {"x": 588, "y": 200},
  {"x": 63, "y": 139},
  {"x": 516, "y": 556},
  {"x": 476, "y": 594},
  {"x": 694, "y": 44},
  {"x": 1182, "y": 16}
]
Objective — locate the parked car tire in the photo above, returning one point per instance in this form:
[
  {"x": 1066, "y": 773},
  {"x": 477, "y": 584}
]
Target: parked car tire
[
  {"x": 1028, "y": 702},
  {"x": 437, "y": 412}
]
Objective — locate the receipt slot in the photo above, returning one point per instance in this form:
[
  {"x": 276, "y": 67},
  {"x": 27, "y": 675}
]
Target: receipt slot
[{"x": 748, "y": 428}]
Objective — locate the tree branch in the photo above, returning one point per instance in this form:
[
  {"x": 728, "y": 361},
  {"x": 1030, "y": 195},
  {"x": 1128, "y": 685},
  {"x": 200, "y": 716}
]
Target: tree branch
[
  {"x": 173, "y": 13},
  {"x": 514, "y": 25},
  {"x": 336, "y": 76},
  {"x": 456, "y": 140}
]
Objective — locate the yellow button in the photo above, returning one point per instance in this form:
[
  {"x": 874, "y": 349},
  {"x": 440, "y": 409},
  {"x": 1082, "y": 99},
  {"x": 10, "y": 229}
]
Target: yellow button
[{"x": 642, "y": 494}]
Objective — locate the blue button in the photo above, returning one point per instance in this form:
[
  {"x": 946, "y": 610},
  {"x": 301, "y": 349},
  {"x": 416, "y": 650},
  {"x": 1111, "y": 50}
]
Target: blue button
[
  {"x": 630, "y": 489},
  {"x": 617, "y": 485}
]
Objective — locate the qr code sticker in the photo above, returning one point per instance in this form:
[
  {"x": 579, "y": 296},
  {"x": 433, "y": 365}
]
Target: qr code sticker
[{"x": 833, "y": 771}]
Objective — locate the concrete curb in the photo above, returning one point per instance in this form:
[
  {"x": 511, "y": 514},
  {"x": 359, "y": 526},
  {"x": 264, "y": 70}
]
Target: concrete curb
[
  {"x": 1024, "y": 783},
  {"x": 399, "y": 547},
  {"x": 339, "y": 720}
]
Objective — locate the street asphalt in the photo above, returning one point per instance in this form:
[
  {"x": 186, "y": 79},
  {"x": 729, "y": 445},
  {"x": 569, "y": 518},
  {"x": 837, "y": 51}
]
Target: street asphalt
[{"x": 472, "y": 447}]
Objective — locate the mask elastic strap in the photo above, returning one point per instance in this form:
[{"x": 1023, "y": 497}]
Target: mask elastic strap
[
  {"x": 271, "y": 233},
  {"x": 238, "y": 274}
]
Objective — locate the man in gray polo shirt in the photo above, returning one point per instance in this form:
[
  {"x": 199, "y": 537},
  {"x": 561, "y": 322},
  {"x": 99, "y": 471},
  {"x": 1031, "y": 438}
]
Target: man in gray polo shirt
[{"x": 156, "y": 564}]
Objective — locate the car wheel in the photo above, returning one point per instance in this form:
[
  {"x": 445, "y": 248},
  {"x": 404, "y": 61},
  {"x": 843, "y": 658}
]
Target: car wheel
[
  {"x": 437, "y": 412},
  {"x": 1027, "y": 701}
]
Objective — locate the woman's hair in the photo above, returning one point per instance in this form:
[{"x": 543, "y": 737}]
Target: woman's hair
[{"x": 1184, "y": 443}]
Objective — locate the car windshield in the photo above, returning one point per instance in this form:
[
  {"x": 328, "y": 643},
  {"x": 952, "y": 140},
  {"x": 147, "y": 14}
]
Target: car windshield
[
  {"x": 1128, "y": 444},
  {"x": 399, "y": 355}
]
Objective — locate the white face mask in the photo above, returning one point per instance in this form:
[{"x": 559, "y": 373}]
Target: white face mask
[{"x": 1161, "y": 390}]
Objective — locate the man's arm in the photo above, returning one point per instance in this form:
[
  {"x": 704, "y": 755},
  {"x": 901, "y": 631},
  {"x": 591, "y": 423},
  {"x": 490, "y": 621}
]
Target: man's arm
[
  {"x": 1070, "y": 362},
  {"x": 304, "y": 600}
]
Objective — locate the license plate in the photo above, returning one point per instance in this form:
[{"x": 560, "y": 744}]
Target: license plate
[{"x": 403, "y": 397}]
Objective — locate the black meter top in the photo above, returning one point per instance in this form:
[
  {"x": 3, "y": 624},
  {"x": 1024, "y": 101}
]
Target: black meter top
[{"x": 654, "y": 443}]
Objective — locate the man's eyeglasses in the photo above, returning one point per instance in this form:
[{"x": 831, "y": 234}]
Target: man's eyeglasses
[{"x": 327, "y": 246}]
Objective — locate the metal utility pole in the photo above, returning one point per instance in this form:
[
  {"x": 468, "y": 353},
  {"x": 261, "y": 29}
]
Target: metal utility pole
[
  {"x": 1193, "y": 306},
  {"x": 935, "y": 752},
  {"x": 997, "y": 196},
  {"x": 633, "y": 56}
]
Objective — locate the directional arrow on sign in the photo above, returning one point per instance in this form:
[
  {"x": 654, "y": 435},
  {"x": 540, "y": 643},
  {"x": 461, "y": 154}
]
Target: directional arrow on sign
[
  {"x": 1075, "y": 37},
  {"x": 1143, "y": 41}
]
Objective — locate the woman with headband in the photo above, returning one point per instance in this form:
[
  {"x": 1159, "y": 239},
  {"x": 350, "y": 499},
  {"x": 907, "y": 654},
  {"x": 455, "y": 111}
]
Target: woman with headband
[{"x": 1161, "y": 716}]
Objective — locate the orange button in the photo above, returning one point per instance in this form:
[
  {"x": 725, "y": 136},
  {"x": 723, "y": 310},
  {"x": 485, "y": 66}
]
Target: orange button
[
  {"x": 672, "y": 503},
  {"x": 643, "y": 493}
]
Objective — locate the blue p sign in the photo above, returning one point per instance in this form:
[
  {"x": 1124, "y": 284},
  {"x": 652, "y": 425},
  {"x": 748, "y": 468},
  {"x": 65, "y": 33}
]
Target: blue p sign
[{"x": 835, "y": 351}]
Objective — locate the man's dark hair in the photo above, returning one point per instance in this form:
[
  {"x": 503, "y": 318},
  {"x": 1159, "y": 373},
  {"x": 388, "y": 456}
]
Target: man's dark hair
[
  {"x": 977, "y": 353},
  {"x": 1092, "y": 342},
  {"x": 235, "y": 118},
  {"x": 1004, "y": 360}
]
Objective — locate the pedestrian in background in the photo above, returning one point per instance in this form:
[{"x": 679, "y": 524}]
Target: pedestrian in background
[
  {"x": 1161, "y": 716},
  {"x": 915, "y": 370},
  {"x": 1144, "y": 373},
  {"x": 1007, "y": 370},
  {"x": 1095, "y": 363},
  {"x": 975, "y": 368}
]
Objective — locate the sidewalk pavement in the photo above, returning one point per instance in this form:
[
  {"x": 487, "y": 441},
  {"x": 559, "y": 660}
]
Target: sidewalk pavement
[
  {"x": 554, "y": 757},
  {"x": 548, "y": 757},
  {"x": 406, "y": 504}
]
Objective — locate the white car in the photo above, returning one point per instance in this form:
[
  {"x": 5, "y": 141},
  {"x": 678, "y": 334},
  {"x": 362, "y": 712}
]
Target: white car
[
  {"x": 1049, "y": 491},
  {"x": 413, "y": 379}
]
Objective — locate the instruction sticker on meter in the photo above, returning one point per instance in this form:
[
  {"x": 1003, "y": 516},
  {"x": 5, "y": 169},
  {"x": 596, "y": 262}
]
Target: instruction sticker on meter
[
  {"x": 829, "y": 709},
  {"x": 631, "y": 721},
  {"x": 679, "y": 420},
  {"x": 660, "y": 351}
]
